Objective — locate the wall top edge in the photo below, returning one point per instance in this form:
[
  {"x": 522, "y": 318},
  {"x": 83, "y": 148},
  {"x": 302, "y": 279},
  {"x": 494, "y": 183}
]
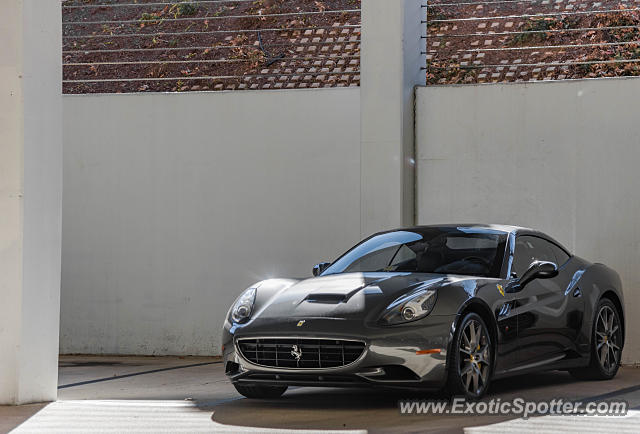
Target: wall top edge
[
  {"x": 218, "y": 92},
  {"x": 532, "y": 83}
]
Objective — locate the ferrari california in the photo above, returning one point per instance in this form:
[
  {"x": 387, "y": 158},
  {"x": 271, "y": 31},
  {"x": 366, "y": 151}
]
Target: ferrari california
[{"x": 447, "y": 307}]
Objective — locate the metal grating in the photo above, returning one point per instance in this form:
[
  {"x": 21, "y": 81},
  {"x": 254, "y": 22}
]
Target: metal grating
[
  {"x": 313, "y": 353},
  {"x": 114, "y": 46},
  {"x": 524, "y": 40}
]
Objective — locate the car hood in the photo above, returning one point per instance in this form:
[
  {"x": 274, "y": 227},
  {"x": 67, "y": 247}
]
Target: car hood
[{"x": 352, "y": 295}]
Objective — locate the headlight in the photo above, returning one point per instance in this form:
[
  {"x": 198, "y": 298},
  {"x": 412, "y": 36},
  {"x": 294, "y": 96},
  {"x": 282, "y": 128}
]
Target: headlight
[
  {"x": 243, "y": 307},
  {"x": 410, "y": 307}
]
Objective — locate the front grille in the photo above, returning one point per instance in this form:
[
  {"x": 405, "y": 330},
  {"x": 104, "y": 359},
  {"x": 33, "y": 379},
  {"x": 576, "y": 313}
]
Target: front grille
[{"x": 300, "y": 353}]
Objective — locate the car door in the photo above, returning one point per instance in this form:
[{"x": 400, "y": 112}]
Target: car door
[
  {"x": 507, "y": 322},
  {"x": 545, "y": 330}
]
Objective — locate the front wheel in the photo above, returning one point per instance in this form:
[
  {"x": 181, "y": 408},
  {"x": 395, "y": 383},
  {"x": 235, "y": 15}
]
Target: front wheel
[
  {"x": 471, "y": 359},
  {"x": 606, "y": 344},
  {"x": 259, "y": 391}
]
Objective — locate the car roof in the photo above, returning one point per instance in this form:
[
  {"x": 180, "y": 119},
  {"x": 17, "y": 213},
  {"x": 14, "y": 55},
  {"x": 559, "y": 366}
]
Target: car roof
[
  {"x": 479, "y": 226},
  {"x": 507, "y": 229}
]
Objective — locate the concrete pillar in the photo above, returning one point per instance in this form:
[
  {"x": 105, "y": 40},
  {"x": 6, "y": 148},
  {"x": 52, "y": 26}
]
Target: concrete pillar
[
  {"x": 30, "y": 199},
  {"x": 391, "y": 60}
]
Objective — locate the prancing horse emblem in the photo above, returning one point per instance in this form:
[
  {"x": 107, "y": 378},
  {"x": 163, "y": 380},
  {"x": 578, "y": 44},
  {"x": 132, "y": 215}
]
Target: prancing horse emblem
[{"x": 296, "y": 352}]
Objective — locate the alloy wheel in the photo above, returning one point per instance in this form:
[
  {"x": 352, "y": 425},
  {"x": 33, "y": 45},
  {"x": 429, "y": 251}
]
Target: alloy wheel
[
  {"x": 608, "y": 338},
  {"x": 475, "y": 357}
]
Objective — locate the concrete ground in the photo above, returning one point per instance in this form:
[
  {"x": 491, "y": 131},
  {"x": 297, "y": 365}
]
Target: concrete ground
[{"x": 170, "y": 394}]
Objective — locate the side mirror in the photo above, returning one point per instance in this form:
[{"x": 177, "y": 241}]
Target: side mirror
[
  {"x": 319, "y": 268},
  {"x": 538, "y": 270}
]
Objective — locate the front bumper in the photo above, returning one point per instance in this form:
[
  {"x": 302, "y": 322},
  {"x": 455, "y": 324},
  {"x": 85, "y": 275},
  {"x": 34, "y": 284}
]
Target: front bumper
[{"x": 392, "y": 356}]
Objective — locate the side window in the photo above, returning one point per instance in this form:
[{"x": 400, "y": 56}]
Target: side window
[
  {"x": 529, "y": 249},
  {"x": 561, "y": 256},
  {"x": 403, "y": 257}
]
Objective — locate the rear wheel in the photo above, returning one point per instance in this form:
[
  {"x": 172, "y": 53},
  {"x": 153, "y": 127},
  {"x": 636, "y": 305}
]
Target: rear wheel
[
  {"x": 471, "y": 359},
  {"x": 606, "y": 344},
  {"x": 259, "y": 391}
]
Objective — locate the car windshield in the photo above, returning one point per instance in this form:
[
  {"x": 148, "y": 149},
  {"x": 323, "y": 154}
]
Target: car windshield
[{"x": 456, "y": 250}]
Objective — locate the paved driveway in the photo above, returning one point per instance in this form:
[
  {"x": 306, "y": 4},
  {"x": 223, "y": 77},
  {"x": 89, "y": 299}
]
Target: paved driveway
[{"x": 168, "y": 394}]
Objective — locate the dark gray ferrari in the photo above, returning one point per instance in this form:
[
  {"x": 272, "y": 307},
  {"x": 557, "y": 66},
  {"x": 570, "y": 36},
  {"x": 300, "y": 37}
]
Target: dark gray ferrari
[{"x": 447, "y": 307}]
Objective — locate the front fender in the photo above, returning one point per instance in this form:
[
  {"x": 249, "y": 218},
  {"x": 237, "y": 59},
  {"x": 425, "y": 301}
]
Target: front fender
[{"x": 265, "y": 291}]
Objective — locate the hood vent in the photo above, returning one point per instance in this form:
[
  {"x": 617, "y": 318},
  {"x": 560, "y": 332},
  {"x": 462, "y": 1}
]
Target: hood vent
[{"x": 326, "y": 298}]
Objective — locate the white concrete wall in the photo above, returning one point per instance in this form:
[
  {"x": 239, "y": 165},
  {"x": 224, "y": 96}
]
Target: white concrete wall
[
  {"x": 391, "y": 62},
  {"x": 561, "y": 157},
  {"x": 175, "y": 203},
  {"x": 30, "y": 199}
]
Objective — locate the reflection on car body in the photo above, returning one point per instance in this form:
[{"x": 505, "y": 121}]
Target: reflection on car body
[{"x": 449, "y": 306}]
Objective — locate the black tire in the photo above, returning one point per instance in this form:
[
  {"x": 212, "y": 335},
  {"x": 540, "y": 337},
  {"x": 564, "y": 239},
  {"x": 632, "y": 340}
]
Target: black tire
[
  {"x": 471, "y": 359},
  {"x": 259, "y": 391},
  {"x": 606, "y": 344}
]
